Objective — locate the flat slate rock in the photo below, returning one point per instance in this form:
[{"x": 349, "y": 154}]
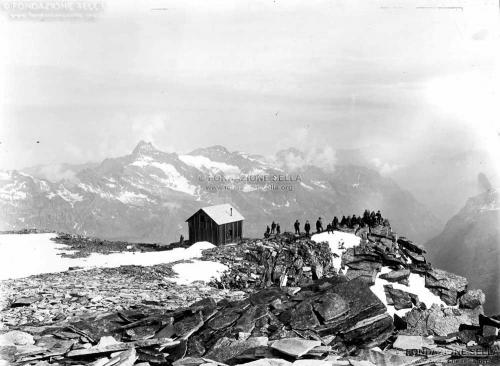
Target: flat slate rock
[
  {"x": 223, "y": 320},
  {"x": 226, "y": 349},
  {"x": 295, "y": 347},
  {"x": 405, "y": 342},
  {"x": 331, "y": 306},
  {"x": 24, "y": 301},
  {"x": 267, "y": 362},
  {"x": 410, "y": 245},
  {"x": 400, "y": 276},
  {"x": 303, "y": 317},
  {"x": 398, "y": 298}
]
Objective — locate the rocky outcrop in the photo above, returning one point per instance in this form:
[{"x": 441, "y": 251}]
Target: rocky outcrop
[
  {"x": 472, "y": 299},
  {"x": 447, "y": 285},
  {"x": 281, "y": 261},
  {"x": 440, "y": 321}
]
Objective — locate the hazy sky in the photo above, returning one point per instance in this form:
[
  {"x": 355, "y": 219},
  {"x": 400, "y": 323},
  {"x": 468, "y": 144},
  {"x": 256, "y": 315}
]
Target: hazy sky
[{"x": 255, "y": 76}]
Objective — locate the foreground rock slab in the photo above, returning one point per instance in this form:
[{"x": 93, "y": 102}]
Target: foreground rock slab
[{"x": 295, "y": 347}]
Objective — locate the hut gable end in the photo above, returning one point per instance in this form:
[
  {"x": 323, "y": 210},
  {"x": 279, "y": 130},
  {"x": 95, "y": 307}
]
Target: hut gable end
[{"x": 220, "y": 224}]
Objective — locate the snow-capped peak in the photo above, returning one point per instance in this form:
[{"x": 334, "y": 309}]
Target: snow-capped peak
[{"x": 144, "y": 148}]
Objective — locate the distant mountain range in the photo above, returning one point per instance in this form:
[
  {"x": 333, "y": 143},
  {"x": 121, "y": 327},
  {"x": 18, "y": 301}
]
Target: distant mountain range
[
  {"x": 440, "y": 181},
  {"x": 470, "y": 246},
  {"x": 148, "y": 194}
]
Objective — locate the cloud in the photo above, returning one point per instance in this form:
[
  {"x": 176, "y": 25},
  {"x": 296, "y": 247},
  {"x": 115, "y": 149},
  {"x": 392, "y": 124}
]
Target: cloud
[
  {"x": 57, "y": 172},
  {"x": 150, "y": 128},
  {"x": 310, "y": 151},
  {"x": 321, "y": 157},
  {"x": 385, "y": 168}
]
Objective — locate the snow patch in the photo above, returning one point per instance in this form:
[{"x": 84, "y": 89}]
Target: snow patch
[
  {"x": 97, "y": 191},
  {"x": 132, "y": 197},
  {"x": 205, "y": 164},
  {"x": 337, "y": 240},
  {"x": 69, "y": 196},
  {"x": 13, "y": 192},
  {"x": 44, "y": 186},
  {"x": 198, "y": 271},
  {"x": 319, "y": 183},
  {"x": 306, "y": 186},
  {"x": 142, "y": 161},
  {"x": 174, "y": 180},
  {"x": 416, "y": 286}
]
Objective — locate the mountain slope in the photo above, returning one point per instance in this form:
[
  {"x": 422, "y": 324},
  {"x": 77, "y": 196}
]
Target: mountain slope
[
  {"x": 147, "y": 195},
  {"x": 470, "y": 246}
]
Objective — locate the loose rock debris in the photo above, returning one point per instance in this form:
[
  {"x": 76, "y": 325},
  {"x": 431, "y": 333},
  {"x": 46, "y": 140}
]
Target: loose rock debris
[{"x": 295, "y": 310}]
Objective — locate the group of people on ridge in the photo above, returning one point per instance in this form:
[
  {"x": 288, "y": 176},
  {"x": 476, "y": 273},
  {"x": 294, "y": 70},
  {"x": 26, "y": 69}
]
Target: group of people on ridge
[
  {"x": 369, "y": 219},
  {"x": 274, "y": 229},
  {"x": 307, "y": 226}
]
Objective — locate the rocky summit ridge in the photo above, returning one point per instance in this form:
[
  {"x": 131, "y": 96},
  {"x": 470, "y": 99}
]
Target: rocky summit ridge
[{"x": 292, "y": 306}]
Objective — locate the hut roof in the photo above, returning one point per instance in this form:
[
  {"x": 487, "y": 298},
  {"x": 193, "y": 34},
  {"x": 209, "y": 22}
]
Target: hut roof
[{"x": 222, "y": 214}]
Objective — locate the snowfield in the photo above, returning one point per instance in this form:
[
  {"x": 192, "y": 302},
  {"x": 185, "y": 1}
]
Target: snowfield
[
  {"x": 23, "y": 255},
  {"x": 214, "y": 167}
]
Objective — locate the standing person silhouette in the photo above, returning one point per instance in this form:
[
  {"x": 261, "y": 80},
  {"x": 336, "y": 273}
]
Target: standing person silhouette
[
  {"x": 296, "y": 226},
  {"x": 319, "y": 225},
  {"x": 307, "y": 227}
]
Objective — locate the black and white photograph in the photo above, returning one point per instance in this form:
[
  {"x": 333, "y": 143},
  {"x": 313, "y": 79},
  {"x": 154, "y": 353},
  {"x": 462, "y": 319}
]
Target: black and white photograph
[{"x": 249, "y": 182}]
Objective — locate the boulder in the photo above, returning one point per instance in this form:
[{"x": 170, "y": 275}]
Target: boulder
[
  {"x": 448, "y": 286},
  {"x": 472, "y": 299},
  {"x": 439, "y": 321},
  {"x": 490, "y": 331},
  {"x": 400, "y": 276},
  {"x": 399, "y": 298}
]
